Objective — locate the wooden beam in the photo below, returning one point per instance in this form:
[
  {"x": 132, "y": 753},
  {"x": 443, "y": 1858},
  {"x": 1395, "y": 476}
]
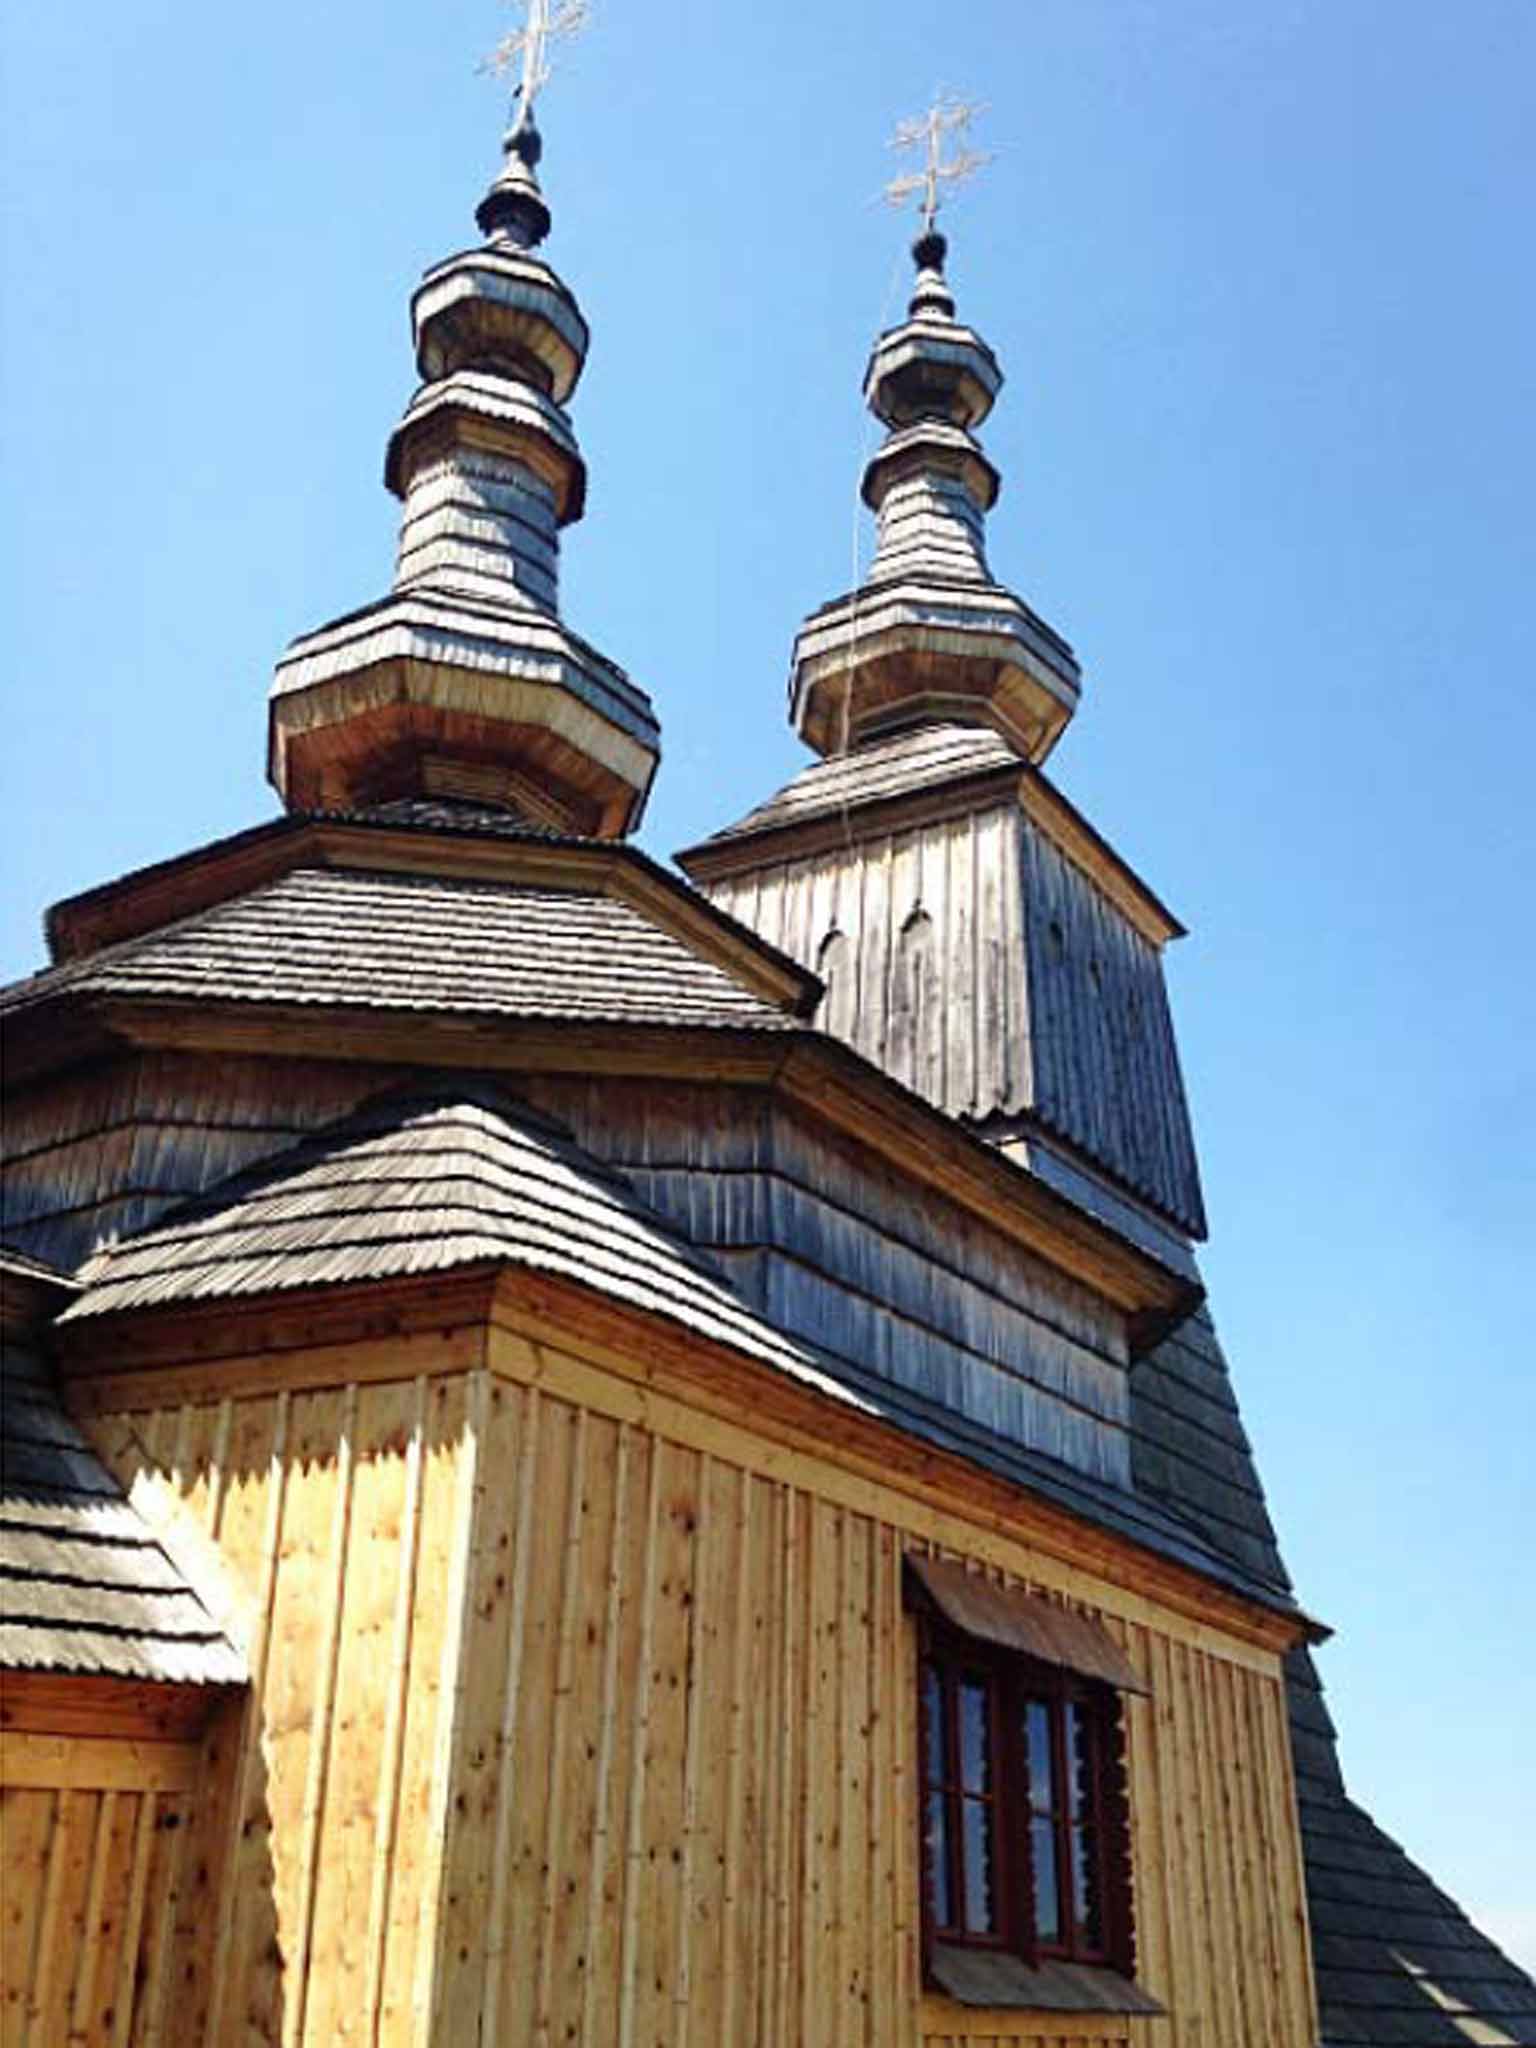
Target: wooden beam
[
  {"x": 71, "y": 1704},
  {"x": 86, "y": 1763}
]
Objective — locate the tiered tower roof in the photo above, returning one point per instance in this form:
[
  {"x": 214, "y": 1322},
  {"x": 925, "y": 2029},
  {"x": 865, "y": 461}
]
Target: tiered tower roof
[
  {"x": 929, "y": 637},
  {"x": 464, "y": 681}
]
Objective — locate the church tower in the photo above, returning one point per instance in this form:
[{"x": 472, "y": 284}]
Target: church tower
[
  {"x": 977, "y": 937},
  {"x": 465, "y": 682},
  {"x": 578, "y": 1468}
]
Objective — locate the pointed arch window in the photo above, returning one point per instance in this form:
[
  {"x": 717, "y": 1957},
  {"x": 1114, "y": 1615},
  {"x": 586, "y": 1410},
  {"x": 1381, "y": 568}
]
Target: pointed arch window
[
  {"x": 915, "y": 1023},
  {"x": 835, "y": 965}
]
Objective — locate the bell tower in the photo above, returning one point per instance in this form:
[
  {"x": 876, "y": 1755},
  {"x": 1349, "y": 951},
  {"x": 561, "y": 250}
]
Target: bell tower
[{"x": 976, "y": 936}]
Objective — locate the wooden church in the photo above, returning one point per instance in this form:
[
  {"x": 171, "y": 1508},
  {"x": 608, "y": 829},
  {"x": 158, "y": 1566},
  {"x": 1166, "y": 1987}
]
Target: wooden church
[{"x": 603, "y": 1457}]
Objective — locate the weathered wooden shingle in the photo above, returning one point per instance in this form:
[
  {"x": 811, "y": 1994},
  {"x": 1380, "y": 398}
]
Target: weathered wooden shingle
[
  {"x": 891, "y": 768},
  {"x": 1189, "y": 1449},
  {"x": 84, "y": 1585},
  {"x": 1397, "y": 1961},
  {"x": 452, "y": 1172},
  {"x": 420, "y": 1180},
  {"x": 420, "y": 942}
]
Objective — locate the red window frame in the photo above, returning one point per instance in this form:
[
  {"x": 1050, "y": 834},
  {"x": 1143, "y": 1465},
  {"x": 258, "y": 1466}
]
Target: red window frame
[{"x": 949, "y": 1662}]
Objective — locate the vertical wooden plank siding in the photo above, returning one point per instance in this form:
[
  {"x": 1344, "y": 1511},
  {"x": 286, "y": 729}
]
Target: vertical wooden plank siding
[
  {"x": 588, "y": 1719},
  {"x": 88, "y": 1912},
  {"x": 994, "y": 975}
]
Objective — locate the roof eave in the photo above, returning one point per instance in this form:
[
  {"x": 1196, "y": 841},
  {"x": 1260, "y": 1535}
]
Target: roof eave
[{"x": 129, "y": 1356}]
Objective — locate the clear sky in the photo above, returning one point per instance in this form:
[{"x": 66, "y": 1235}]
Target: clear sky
[{"x": 1262, "y": 280}]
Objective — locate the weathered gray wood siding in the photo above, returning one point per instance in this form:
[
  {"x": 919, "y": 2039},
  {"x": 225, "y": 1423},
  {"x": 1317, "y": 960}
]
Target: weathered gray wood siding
[
  {"x": 1104, "y": 1063},
  {"x": 974, "y": 961},
  {"x": 816, "y": 1233},
  {"x": 101, "y": 1152},
  {"x": 830, "y": 1246},
  {"x": 917, "y": 934}
]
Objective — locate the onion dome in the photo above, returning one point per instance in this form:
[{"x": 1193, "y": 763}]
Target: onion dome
[
  {"x": 464, "y": 680},
  {"x": 929, "y": 637}
]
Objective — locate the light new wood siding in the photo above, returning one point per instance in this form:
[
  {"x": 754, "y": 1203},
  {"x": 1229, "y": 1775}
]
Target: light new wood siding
[
  {"x": 585, "y": 1715},
  {"x": 104, "y": 1882},
  {"x": 972, "y": 959}
]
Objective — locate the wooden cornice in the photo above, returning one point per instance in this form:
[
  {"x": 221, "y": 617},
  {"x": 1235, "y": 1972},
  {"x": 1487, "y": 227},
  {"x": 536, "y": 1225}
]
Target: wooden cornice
[
  {"x": 734, "y": 1387},
  {"x": 423, "y": 1322},
  {"x": 857, "y": 1098},
  {"x": 150, "y": 897},
  {"x": 1064, "y": 824},
  {"x": 435, "y": 1324},
  {"x": 715, "y": 860}
]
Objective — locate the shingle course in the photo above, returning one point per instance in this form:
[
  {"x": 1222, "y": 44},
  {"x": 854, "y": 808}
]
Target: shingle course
[
  {"x": 84, "y": 1585},
  {"x": 351, "y": 938},
  {"x": 1396, "y": 1960}
]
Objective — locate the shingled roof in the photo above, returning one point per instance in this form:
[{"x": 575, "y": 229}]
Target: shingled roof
[
  {"x": 442, "y": 1174},
  {"x": 1189, "y": 1448},
  {"x": 895, "y": 767},
  {"x": 85, "y": 1586},
  {"x": 1397, "y": 1961},
  {"x": 1398, "y": 1964},
  {"x": 451, "y": 1172},
  {"x": 388, "y": 940}
]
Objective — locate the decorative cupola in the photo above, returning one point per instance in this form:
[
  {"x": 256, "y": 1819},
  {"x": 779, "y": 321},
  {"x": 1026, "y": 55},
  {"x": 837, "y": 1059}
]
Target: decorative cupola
[
  {"x": 464, "y": 682},
  {"x": 929, "y": 637}
]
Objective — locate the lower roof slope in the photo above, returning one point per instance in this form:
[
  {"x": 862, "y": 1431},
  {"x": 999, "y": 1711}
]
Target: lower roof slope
[
  {"x": 451, "y": 1172},
  {"x": 1398, "y": 1964},
  {"x": 85, "y": 1586},
  {"x": 1189, "y": 1448}
]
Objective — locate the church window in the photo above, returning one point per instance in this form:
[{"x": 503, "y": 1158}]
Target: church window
[
  {"x": 1024, "y": 1826},
  {"x": 1015, "y": 1787}
]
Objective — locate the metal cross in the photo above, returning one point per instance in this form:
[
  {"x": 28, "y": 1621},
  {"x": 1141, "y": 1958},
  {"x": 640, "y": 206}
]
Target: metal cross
[
  {"x": 948, "y": 115},
  {"x": 544, "y": 22}
]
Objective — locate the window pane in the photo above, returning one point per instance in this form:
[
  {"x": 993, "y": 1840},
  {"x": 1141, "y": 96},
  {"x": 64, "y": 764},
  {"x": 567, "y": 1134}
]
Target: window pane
[
  {"x": 936, "y": 1850},
  {"x": 979, "y": 1886},
  {"x": 1042, "y": 1846},
  {"x": 933, "y": 1723},
  {"x": 1080, "y": 1757},
  {"x": 1087, "y": 1913},
  {"x": 1037, "y": 1740},
  {"x": 975, "y": 1736}
]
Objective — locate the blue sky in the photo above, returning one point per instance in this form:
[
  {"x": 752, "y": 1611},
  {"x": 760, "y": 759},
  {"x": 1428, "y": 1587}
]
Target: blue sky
[{"x": 1262, "y": 284}]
